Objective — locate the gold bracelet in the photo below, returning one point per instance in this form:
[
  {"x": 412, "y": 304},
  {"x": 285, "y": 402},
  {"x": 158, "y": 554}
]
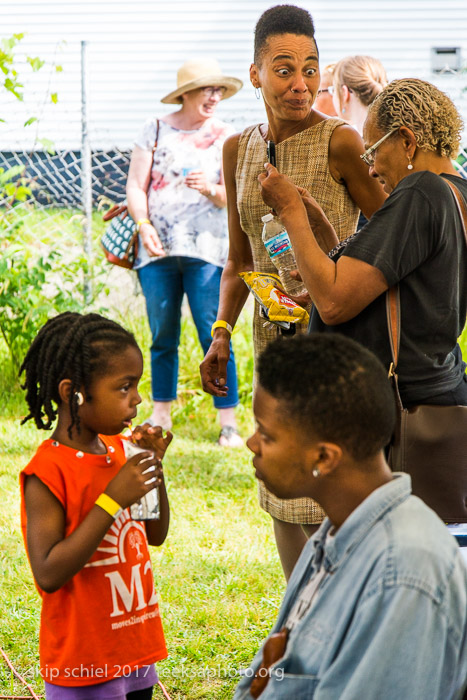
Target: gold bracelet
[
  {"x": 109, "y": 505},
  {"x": 221, "y": 324},
  {"x": 140, "y": 222}
]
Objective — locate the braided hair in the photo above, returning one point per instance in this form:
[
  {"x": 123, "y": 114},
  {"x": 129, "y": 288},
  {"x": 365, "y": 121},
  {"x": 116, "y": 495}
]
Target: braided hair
[{"x": 69, "y": 346}]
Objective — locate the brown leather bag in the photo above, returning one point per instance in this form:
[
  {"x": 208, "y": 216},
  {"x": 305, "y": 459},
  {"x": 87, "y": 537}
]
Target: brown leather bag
[{"x": 429, "y": 442}]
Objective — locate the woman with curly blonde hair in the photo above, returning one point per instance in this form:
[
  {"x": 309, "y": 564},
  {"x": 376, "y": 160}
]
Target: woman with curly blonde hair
[{"x": 416, "y": 241}]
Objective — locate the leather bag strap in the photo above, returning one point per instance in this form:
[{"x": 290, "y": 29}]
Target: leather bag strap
[
  {"x": 393, "y": 317},
  {"x": 119, "y": 209},
  {"x": 157, "y": 137},
  {"x": 114, "y": 211},
  {"x": 461, "y": 206}
]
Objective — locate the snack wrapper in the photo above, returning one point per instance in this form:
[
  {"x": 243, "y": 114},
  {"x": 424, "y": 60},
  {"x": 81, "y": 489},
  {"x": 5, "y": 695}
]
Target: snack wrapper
[{"x": 268, "y": 291}]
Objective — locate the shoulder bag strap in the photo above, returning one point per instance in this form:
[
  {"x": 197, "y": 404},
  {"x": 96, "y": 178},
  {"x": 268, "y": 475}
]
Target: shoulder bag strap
[
  {"x": 157, "y": 137},
  {"x": 460, "y": 204},
  {"x": 393, "y": 317}
]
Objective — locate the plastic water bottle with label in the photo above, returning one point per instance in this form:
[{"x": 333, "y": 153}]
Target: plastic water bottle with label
[
  {"x": 148, "y": 507},
  {"x": 279, "y": 248}
]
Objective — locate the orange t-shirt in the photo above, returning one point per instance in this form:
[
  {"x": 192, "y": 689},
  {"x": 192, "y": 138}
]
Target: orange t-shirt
[{"x": 105, "y": 621}]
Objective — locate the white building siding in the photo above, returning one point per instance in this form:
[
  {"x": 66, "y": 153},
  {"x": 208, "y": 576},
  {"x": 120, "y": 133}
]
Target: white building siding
[{"x": 135, "y": 48}]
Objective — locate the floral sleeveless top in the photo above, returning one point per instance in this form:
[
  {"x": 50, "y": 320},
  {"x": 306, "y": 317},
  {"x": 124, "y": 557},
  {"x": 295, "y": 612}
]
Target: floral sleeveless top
[{"x": 187, "y": 222}]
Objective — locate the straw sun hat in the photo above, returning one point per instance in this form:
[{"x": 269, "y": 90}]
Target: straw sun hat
[{"x": 198, "y": 73}]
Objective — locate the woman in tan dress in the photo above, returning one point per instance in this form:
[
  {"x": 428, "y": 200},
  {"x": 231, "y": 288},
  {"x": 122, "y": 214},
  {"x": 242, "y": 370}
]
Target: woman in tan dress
[{"x": 322, "y": 155}]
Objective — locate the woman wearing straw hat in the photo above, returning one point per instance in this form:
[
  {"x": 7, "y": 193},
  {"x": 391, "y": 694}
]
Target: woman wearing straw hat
[{"x": 176, "y": 195}]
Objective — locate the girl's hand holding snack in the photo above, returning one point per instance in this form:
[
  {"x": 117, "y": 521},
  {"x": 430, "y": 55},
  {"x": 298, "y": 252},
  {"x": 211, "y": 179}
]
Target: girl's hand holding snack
[
  {"x": 137, "y": 477},
  {"x": 152, "y": 438}
]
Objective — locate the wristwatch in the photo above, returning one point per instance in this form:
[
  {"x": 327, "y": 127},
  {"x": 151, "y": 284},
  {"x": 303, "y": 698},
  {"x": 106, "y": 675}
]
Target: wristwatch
[{"x": 212, "y": 191}]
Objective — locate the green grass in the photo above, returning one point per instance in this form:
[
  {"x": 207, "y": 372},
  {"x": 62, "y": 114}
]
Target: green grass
[{"x": 218, "y": 573}]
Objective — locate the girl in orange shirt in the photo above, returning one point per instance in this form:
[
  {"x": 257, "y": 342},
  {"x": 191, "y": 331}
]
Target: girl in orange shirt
[{"x": 100, "y": 625}]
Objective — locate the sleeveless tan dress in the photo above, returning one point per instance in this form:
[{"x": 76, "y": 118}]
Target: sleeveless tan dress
[{"x": 304, "y": 157}]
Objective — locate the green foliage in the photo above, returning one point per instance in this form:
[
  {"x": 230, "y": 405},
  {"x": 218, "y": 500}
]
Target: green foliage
[
  {"x": 35, "y": 63},
  {"x": 48, "y": 145},
  {"x": 13, "y": 188},
  {"x": 42, "y": 272},
  {"x": 11, "y": 81},
  {"x": 33, "y": 283}
]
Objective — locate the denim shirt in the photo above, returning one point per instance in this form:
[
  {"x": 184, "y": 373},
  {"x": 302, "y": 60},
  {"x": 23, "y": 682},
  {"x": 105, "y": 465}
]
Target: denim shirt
[{"x": 390, "y": 618}]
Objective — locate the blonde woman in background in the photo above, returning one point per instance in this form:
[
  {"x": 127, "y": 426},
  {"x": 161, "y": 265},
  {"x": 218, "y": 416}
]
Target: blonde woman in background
[
  {"x": 357, "y": 80},
  {"x": 324, "y": 102}
]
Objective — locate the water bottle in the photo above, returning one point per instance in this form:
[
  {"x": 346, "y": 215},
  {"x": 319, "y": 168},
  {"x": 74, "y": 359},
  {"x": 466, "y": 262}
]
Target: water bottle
[{"x": 279, "y": 248}]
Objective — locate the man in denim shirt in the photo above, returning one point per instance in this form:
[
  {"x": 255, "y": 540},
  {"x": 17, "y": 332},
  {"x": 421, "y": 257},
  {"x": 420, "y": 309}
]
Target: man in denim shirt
[{"x": 376, "y": 608}]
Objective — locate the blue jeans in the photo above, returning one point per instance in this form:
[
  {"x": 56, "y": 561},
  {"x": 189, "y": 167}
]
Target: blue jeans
[{"x": 164, "y": 282}]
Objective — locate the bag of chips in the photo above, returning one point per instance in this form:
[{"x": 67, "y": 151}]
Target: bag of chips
[{"x": 276, "y": 306}]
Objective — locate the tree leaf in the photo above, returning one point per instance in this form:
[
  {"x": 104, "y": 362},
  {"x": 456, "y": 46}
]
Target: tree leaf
[
  {"x": 48, "y": 145},
  {"x": 36, "y": 63}
]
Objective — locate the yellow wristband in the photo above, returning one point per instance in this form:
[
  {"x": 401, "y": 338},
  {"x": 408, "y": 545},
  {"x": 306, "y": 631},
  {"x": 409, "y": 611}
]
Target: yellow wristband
[
  {"x": 109, "y": 505},
  {"x": 221, "y": 324},
  {"x": 140, "y": 222}
]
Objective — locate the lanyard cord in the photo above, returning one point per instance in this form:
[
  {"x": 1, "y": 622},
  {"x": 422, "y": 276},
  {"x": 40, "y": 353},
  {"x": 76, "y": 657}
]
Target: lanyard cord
[{"x": 305, "y": 599}]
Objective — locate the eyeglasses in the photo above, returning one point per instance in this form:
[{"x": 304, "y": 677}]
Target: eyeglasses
[
  {"x": 368, "y": 157},
  {"x": 329, "y": 89},
  {"x": 332, "y": 90},
  {"x": 211, "y": 90}
]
